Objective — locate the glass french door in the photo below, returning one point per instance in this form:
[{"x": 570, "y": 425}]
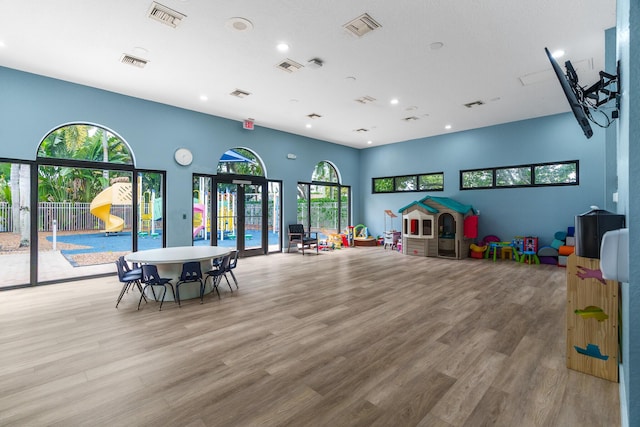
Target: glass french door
[{"x": 240, "y": 216}]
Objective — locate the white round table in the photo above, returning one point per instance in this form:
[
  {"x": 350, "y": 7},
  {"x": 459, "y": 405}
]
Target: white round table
[{"x": 169, "y": 262}]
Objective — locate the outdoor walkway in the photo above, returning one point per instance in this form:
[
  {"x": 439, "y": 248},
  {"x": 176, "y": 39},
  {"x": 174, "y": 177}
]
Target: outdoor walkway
[{"x": 52, "y": 266}]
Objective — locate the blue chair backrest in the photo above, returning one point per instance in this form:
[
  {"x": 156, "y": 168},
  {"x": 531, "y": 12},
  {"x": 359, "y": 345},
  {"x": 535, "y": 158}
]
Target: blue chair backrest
[
  {"x": 191, "y": 271},
  {"x": 150, "y": 274},
  {"x": 234, "y": 259}
]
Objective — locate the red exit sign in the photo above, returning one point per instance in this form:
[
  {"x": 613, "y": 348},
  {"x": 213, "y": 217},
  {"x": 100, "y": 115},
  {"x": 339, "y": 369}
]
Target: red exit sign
[{"x": 248, "y": 124}]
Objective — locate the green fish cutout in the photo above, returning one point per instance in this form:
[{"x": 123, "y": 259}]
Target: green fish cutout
[{"x": 592, "y": 312}]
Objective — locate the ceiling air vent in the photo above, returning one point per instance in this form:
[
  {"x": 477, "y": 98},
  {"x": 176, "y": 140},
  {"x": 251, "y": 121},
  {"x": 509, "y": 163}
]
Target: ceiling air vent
[
  {"x": 314, "y": 116},
  {"x": 361, "y": 130},
  {"x": 365, "y": 99},
  {"x": 289, "y": 65},
  {"x": 132, "y": 60},
  {"x": 410, "y": 119},
  {"x": 240, "y": 93},
  {"x": 362, "y": 25},
  {"x": 165, "y": 15},
  {"x": 474, "y": 104}
]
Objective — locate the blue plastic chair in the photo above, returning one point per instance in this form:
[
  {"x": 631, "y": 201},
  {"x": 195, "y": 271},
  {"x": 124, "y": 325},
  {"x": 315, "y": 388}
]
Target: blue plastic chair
[
  {"x": 191, "y": 273},
  {"x": 216, "y": 275},
  {"x": 150, "y": 277},
  {"x": 128, "y": 278}
]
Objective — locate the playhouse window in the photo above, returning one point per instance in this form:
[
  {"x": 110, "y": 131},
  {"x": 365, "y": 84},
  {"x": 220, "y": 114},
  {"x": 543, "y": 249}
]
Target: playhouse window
[
  {"x": 414, "y": 227},
  {"x": 427, "y": 226}
]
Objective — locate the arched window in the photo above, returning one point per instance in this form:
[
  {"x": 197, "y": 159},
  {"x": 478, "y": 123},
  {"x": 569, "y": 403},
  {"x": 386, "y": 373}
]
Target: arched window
[
  {"x": 85, "y": 142},
  {"x": 86, "y": 188},
  {"x": 325, "y": 172},
  {"x": 324, "y": 204},
  {"x": 240, "y": 161}
]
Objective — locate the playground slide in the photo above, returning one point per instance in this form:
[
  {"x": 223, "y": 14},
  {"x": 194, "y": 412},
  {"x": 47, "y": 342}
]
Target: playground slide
[
  {"x": 198, "y": 210},
  {"x": 197, "y": 230},
  {"x": 101, "y": 208}
]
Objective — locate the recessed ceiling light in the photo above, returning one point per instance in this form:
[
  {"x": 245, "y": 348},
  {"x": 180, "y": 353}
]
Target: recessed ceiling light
[
  {"x": 369, "y": 142},
  {"x": 394, "y": 101},
  {"x": 282, "y": 47},
  {"x": 2, "y": 44},
  {"x": 308, "y": 125},
  {"x": 239, "y": 24},
  {"x": 558, "y": 53},
  {"x": 447, "y": 127},
  {"x": 204, "y": 98}
]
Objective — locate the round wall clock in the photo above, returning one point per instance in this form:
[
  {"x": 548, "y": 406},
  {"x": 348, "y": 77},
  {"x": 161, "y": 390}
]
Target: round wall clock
[{"x": 183, "y": 156}]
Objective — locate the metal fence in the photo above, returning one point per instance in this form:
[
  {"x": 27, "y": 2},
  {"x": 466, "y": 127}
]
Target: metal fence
[
  {"x": 69, "y": 216},
  {"x": 77, "y": 216}
]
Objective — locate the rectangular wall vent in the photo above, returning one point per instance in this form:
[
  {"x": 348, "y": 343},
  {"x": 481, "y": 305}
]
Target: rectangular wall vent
[
  {"x": 132, "y": 60},
  {"x": 474, "y": 104},
  {"x": 362, "y": 25},
  {"x": 289, "y": 65},
  {"x": 365, "y": 99},
  {"x": 167, "y": 16},
  {"x": 240, "y": 93}
]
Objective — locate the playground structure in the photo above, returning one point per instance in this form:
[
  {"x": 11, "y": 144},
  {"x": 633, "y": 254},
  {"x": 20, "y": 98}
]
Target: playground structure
[
  {"x": 120, "y": 193},
  {"x": 226, "y": 203},
  {"x": 226, "y": 215}
]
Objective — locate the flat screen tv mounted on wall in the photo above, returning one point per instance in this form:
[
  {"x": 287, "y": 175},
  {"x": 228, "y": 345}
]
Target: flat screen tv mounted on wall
[
  {"x": 585, "y": 101},
  {"x": 569, "y": 91}
]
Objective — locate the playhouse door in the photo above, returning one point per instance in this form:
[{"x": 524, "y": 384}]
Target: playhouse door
[{"x": 447, "y": 236}]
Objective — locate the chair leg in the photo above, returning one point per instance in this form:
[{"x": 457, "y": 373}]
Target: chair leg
[
  {"x": 142, "y": 295},
  {"x": 164, "y": 292},
  {"x": 234, "y": 278},
  {"x": 202, "y": 286},
  {"x": 140, "y": 289},
  {"x": 124, "y": 288},
  {"x": 216, "y": 281},
  {"x": 173, "y": 292},
  {"x": 228, "y": 283}
]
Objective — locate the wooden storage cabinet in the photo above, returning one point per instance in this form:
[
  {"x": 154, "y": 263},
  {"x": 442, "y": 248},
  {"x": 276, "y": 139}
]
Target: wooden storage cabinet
[{"x": 592, "y": 319}]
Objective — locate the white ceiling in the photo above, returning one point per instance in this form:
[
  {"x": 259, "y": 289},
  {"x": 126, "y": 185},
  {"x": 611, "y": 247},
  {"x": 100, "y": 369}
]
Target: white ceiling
[{"x": 488, "y": 49}]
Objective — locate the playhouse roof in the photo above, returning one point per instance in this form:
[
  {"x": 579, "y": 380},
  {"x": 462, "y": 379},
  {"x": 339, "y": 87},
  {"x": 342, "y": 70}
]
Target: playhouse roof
[
  {"x": 418, "y": 203},
  {"x": 444, "y": 201}
]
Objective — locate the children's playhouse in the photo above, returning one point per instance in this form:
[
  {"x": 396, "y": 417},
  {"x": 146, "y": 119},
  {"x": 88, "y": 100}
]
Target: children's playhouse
[{"x": 438, "y": 227}]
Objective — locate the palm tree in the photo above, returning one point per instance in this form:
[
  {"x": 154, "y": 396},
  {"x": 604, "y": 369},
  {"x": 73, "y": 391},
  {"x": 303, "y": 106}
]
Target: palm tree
[{"x": 20, "y": 196}]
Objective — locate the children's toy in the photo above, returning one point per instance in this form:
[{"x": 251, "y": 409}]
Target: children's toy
[
  {"x": 477, "y": 251},
  {"x": 391, "y": 235},
  {"x": 435, "y": 227},
  {"x": 362, "y": 236}
]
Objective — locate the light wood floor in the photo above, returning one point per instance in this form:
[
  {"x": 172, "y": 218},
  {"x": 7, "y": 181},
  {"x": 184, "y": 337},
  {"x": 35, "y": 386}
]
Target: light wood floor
[{"x": 356, "y": 337}]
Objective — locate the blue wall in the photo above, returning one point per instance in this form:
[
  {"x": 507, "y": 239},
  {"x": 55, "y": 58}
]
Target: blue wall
[
  {"x": 628, "y": 162},
  {"x": 508, "y": 212},
  {"x": 31, "y": 106}
]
